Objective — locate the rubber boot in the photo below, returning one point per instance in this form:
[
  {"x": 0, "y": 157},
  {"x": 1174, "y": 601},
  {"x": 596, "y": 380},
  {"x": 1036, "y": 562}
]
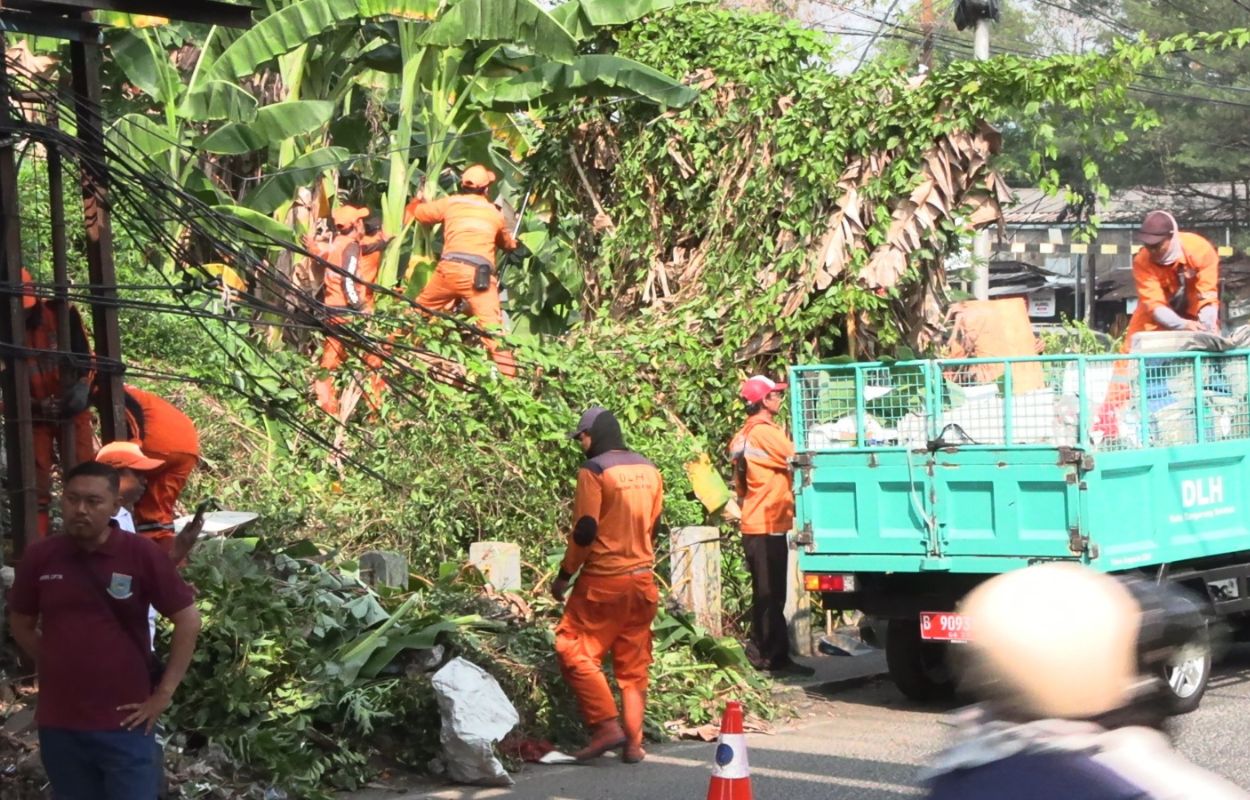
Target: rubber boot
[
  {"x": 604, "y": 736},
  {"x": 633, "y": 701}
]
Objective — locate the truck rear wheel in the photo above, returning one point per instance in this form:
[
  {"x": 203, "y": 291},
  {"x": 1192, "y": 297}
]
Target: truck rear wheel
[
  {"x": 1185, "y": 676},
  {"x": 920, "y": 669}
]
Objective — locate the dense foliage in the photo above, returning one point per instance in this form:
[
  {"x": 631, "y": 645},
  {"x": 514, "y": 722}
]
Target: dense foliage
[{"x": 718, "y": 262}]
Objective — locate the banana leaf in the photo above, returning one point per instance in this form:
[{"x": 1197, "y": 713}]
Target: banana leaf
[
  {"x": 139, "y": 136},
  {"x": 276, "y": 190},
  {"x": 299, "y": 23},
  {"x": 273, "y": 124},
  {"x": 587, "y": 75},
  {"x": 257, "y": 223},
  {"x": 219, "y": 99},
  {"x": 581, "y": 17},
  {"x": 502, "y": 21},
  {"x": 146, "y": 64}
]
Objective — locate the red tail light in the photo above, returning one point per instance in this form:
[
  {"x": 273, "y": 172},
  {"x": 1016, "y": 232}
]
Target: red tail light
[{"x": 828, "y": 583}]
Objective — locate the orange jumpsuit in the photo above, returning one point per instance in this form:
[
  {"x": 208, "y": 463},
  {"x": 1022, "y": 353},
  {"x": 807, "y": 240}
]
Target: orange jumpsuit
[
  {"x": 1157, "y": 285},
  {"x": 619, "y": 498},
  {"x": 348, "y": 292},
  {"x": 761, "y": 452},
  {"x": 1160, "y": 286},
  {"x": 472, "y": 228},
  {"x": 164, "y": 432},
  {"x": 45, "y": 383}
]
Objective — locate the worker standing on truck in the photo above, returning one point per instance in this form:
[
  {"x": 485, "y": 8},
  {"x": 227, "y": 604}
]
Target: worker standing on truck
[
  {"x": 1054, "y": 660},
  {"x": 611, "y": 549},
  {"x": 473, "y": 227},
  {"x": 1178, "y": 280},
  {"x": 761, "y": 454}
]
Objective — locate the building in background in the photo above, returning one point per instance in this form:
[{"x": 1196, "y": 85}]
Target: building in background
[{"x": 1035, "y": 255}]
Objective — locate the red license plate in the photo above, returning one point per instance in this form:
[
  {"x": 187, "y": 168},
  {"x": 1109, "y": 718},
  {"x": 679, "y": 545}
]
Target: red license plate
[{"x": 945, "y": 626}]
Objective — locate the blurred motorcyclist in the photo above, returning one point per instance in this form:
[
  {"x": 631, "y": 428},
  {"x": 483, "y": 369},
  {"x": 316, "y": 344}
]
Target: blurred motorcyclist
[{"x": 1054, "y": 659}]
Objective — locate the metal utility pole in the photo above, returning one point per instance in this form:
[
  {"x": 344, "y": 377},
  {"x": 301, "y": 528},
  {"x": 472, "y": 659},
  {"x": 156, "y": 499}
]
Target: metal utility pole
[
  {"x": 981, "y": 243},
  {"x": 927, "y": 24}
]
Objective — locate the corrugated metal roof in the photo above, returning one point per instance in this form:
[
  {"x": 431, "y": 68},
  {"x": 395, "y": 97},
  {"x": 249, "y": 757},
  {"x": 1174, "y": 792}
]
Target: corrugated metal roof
[{"x": 1191, "y": 204}]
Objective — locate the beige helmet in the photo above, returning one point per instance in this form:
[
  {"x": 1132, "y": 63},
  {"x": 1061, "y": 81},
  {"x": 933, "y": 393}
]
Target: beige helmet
[{"x": 1053, "y": 640}]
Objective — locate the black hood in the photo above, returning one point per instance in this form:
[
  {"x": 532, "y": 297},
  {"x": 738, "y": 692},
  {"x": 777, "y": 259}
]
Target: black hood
[{"x": 605, "y": 432}]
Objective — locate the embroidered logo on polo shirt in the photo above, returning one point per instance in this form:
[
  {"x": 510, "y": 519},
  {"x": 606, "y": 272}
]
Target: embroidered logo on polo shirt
[
  {"x": 52, "y": 576},
  {"x": 119, "y": 586}
]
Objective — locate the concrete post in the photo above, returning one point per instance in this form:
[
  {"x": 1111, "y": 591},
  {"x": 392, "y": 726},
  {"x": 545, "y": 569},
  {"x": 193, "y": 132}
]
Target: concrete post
[
  {"x": 384, "y": 568},
  {"x": 695, "y": 575}
]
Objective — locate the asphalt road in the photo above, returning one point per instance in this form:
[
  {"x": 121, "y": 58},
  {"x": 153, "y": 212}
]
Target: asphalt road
[{"x": 856, "y": 738}]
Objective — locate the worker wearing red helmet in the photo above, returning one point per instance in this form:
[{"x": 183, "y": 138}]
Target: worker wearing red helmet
[
  {"x": 761, "y": 453},
  {"x": 473, "y": 227},
  {"x": 346, "y": 291},
  {"x": 57, "y": 391}
]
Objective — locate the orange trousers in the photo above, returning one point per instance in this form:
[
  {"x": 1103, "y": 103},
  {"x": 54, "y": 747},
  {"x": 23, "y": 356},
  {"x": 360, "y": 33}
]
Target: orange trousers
[
  {"x": 609, "y": 615},
  {"x": 48, "y": 445},
  {"x": 154, "y": 513},
  {"x": 333, "y": 355},
  {"x": 453, "y": 281}
]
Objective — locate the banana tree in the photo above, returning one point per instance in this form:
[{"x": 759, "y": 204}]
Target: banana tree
[{"x": 462, "y": 80}]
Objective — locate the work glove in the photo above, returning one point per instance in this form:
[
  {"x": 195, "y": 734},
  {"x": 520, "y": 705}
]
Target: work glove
[{"x": 558, "y": 588}]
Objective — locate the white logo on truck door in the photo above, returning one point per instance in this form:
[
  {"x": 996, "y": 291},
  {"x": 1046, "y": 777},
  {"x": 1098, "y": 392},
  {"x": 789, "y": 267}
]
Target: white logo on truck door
[
  {"x": 1202, "y": 499},
  {"x": 1202, "y": 492}
]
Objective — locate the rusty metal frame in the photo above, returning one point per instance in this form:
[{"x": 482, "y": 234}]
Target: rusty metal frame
[
  {"x": 208, "y": 12},
  {"x": 85, "y": 68},
  {"x": 19, "y": 438}
]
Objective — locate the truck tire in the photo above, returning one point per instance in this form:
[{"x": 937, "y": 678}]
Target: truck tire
[
  {"x": 1185, "y": 676},
  {"x": 920, "y": 669}
]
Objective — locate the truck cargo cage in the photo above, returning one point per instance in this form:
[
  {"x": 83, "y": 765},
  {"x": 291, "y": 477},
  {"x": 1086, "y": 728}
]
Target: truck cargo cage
[{"x": 1091, "y": 402}]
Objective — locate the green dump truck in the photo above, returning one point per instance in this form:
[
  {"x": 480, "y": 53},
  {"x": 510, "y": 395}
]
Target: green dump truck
[{"x": 917, "y": 480}]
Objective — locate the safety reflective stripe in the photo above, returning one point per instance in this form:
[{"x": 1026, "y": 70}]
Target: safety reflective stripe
[
  {"x": 755, "y": 452},
  {"x": 731, "y": 757},
  {"x": 349, "y": 282}
]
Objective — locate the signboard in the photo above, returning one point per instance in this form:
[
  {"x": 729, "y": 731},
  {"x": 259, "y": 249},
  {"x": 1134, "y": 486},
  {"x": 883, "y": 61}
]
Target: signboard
[{"x": 1042, "y": 303}]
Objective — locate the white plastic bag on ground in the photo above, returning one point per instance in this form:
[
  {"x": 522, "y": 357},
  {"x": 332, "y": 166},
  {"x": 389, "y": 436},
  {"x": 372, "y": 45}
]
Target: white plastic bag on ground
[{"x": 476, "y": 714}]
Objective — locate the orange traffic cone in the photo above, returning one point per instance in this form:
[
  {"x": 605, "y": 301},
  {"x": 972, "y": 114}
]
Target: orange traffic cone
[{"x": 731, "y": 774}]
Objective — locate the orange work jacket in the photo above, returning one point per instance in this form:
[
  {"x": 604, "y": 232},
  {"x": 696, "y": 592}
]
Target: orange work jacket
[
  {"x": 343, "y": 290},
  {"x": 1157, "y": 285},
  {"x": 371, "y": 249},
  {"x": 157, "y": 426},
  {"x": 472, "y": 225},
  {"x": 619, "y": 498},
  {"x": 45, "y": 370},
  {"x": 761, "y": 452}
]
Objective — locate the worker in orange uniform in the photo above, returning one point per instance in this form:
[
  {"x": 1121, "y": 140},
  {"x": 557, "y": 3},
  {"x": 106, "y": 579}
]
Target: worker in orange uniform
[
  {"x": 346, "y": 292},
  {"x": 165, "y": 434},
  {"x": 761, "y": 454},
  {"x": 611, "y": 549},
  {"x": 1178, "y": 280},
  {"x": 473, "y": 227},
  {"x": 53, "y": 399}
]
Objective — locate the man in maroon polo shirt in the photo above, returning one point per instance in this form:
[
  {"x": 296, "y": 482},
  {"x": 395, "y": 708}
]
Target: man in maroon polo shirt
[{"x": 79, "y": 608}]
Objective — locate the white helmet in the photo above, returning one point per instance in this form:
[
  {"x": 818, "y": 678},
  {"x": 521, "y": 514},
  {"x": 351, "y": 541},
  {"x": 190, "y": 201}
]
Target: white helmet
[{"x": 1053, "y": 641}]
